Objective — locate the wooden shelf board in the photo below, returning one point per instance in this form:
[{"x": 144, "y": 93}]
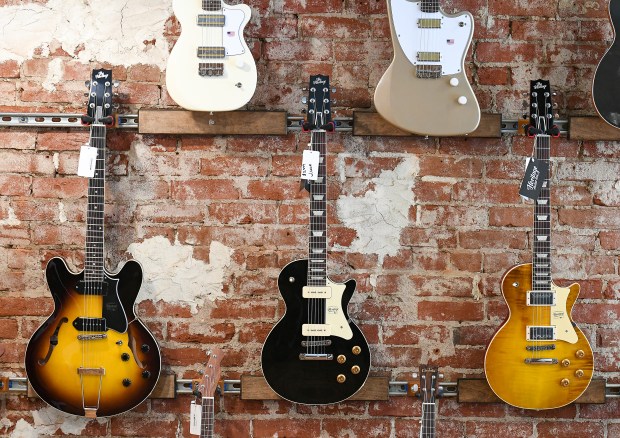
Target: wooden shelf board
[
  {"x": 479, "y": 391},
  {"x": 159, "y": 121},
  {"x": 165, "y": 387},
  {"x": 371, "y": 123},
  {"x": 256, "y": 388},
  {"x": 591, "y": 128}
]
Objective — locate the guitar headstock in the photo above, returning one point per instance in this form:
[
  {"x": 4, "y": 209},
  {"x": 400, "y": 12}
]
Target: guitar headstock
[
  {"x": 429, "y": 383},
  {"x": 541, "y": 110},
  {"x": 319, "y": 104},
  {"x": 207, "y": 386},
  {"x": 100, "y": 94}
]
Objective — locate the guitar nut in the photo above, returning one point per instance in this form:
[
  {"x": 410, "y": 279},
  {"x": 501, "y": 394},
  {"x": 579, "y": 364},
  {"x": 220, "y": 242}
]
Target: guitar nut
[{"x": 341, "y": 378}]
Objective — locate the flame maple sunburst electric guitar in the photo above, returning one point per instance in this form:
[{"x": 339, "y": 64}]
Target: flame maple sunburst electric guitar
[
  {"x": 92, "y": 356},
  {"x": 203, "y": 414},
  {"x": 211, "y": 67},
  {"x": 425, "y": 89},
  {"x": 605, "y": 87},
  {"x": 315, "y": 354},
  {"x": 539, "y": 358}
]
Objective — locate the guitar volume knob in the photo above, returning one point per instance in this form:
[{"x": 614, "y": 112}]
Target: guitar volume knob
[
  {"x": 341, "y": 358},
  {"x": 341, "y": 378},
  {"x": 454, "y": 82},
  {"x": 355, "y": 369},
  {"x": 579, "y": 373},
  {"x": 145, "y": 348},
  {"x": 565, "y": 362},
  {"x": 126, "y": 382},
  {"x": 564, "y": 382},
  {"x": 125, "y": 357},
  {"x": 356, "y": 350},
  {"x": 462, "y": 100},
  {"x": 580, "y": 354}
]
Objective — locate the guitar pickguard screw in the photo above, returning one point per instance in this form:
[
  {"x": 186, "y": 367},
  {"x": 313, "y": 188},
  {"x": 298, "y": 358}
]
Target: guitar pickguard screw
[
  {"x": 291, "y": 279},
  {"x": 515, "y": 284}
]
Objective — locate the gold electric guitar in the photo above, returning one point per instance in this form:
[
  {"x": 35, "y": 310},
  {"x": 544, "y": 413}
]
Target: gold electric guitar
[
  {"x": 203, "y": 414},
  {"x": 93, "y": 357},
  {"x": 539, "y": 358},
  {"x": 425, "y": 89}
]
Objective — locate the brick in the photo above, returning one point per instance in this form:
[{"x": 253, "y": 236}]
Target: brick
[
  {"x": 243, "y": 213},
  {"x": 139, "y": 426},
  {"x": 335, "y": 27},
  {"x": 235, "y": 166},
  {"x": 450, "y": 311},
  {"x": 312, "y": 49},
  {"x": 203, "y": 189},
  {"x": 335, "y": 427},
  {"x": 15, "y": 185},
  {"x": 9, "y": 69},
  {"x": 203, "y": 334},
  {"x": 17, "y": 140},
  {"x": 291, "y": 427},
  {"x": 569, "y": 429},
  {"x": 492, "y": 239}
]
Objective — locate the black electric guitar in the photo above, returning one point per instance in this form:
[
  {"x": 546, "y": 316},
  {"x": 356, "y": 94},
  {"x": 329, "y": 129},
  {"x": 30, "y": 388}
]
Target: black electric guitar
[
  {"x": 203, "y": 419},
  {"x": 606, "y": 87},
  {"x": 315, "y": 354},
  {"x": 93, "y": 357},
  {"x": 428, "y": 392}
]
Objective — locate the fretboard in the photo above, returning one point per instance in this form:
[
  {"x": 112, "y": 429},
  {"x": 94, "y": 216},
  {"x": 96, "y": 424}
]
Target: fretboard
[
  {"x": 211, "y": 5},
  {"x": 427, "y": 424},
  {"x": 93, "y": 269},
  {"x": 207, "y": 421},
  {"x": 541, "y": 260},
  {"x": 429, "y": 5},
  {"x": 317, "y": 242}
]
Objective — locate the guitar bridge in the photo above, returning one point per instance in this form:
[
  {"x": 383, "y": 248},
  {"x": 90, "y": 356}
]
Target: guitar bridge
[
  {"x": 211, "y": 69},
  {"x": 541, "y": 361},
  {"x": 428, "y": 71},
  {"x": 309, "y": 356}
]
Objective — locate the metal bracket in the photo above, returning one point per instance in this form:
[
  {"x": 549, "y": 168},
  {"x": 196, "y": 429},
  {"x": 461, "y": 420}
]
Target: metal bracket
[
  {"x": 342, "y": 124},
  {"x": 59, "y": 120}
]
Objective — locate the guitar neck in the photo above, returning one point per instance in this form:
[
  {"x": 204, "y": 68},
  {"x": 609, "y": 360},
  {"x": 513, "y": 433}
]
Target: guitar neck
[
  {"x": 429, "y": 5},
  {"x": 208, "y": 417},
  {"x": 541, "y": 259},
  {"x": 317, "y": 242},
  {"x": 427, "y": 427},
  {"x": 93, "y": 270},
  {"x": 211, "y": 5}
]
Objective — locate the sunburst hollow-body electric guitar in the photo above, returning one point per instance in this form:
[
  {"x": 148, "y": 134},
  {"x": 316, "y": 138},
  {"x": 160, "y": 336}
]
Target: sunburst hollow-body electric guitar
[
  {"x": 315, "y": 354},
  {"x": 93, "y": 357},
  {"x": 425, "y": 89},
  {"x": 539, "y": 358},
  {"x": 210, "y": 67}
]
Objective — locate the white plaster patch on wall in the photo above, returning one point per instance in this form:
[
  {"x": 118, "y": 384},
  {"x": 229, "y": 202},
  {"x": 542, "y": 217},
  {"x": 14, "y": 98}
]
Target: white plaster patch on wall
[
  {"x": 47, "y": 421},
  {"x": 380, "y": 215},
  {"x": 62, "y": 215},
  {"x": 11, "y": 219},
  {"x": 172, "y": 274},
  {"x": 607, "y": 192},
  {"x": 55, "y": 73},
  {"x": 112, "y": 31}
]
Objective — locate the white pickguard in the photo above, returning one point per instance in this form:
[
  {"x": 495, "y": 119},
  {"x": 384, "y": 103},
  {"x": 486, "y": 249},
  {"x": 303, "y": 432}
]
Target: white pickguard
[
  {"x": 564, "y": 330},
  {"x": 451, "y": 40},
  {"x": 236, "y": 86},
  {"x": 336, "y": 323}
]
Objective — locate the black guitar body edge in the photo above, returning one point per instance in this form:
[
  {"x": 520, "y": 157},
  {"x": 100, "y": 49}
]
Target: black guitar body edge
[
  {"x": 119, "y": 302},
  {"x": 606, "y": 84},
  {"x": 313, "y": 382}
]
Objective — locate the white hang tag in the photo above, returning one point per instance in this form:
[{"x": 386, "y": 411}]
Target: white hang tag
[
  {"x": 310, "y": 165},
  {"x": 194, "y": 419},
  {"x": 88, "y": 161}
]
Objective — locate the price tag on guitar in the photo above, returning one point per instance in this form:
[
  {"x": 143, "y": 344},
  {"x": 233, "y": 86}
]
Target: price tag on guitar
[
  {"x": 310, "y": 165},
  {"x": 532, "y": 182},
  {"x": 87, "y": 162}
]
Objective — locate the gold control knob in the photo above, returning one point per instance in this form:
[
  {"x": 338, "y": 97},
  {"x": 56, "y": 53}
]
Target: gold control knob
[
  {"x": 356, "y": 349},
  {"x": 341, "y": 378},
  {"x": 341, "y": 358},
  {"x": 580, "y": 354},
  {"x": 564, "y": 382},
  {"x": 355, "y": 369},
  {"x": 565, "y": 362},
  {"x": 579, "y": 373}
]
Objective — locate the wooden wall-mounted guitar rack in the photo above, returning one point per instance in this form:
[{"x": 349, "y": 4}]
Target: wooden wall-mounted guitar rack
[
  {"x": 372, "y": 124},
  {"x": 157, "y": 121},
  {"x": 377, "y": 388},
  {"x": 592, "y": 128}
]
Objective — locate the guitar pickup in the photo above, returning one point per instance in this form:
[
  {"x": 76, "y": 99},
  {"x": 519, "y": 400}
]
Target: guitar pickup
[
  {"x": 540, "y": 298},
  {"x": 211, "y": 52},
  {"x": 90, "y": 324},
  {"x": 316, "y": 292},
  {"x": 208, "y": 20},
  {"x": 540, "y": 333},
  {"x": 429, "y": 23},
  {"x": 540, "y": 347},
  {"x": 316, "y": 330},
  {"x": 93, "y": 287},
  {"x": 308, "y": 356},
  {"x": 428, "y": 56}
]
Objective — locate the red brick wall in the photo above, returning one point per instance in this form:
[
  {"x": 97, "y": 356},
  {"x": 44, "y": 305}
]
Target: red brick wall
[{"x": 418, "y": 304}]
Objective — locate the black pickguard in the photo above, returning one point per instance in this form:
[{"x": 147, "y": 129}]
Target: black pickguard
[
  {"x": 310, "y": 382},
  {"x": 606, "y": 85}
]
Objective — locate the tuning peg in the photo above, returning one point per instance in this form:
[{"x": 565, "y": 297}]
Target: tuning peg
[
  {"x": 334, "y": 90},
  {"x": 414, "y": 375},
  {"x": 304, "y": 100},
  {"x": 554, "y": 94},
  {"x": 116, "y": 106},
  {"x": 556, "y": 115},
  {"x": 86, "y": 94},
  {"x": 115, "y": 94},
  {"x": 304, "y": 89},
  {"x": 440, "y": 375},
  {"x": 116, "y": 84},
  {"x": 415, "y": 387},
  {"x": 303, "y": 111},
  {"x": 87, "y": 83},
  {"x": 334, "y": 101}
]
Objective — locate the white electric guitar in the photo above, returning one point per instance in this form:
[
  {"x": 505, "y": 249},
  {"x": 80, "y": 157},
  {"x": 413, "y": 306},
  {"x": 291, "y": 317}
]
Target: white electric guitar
[
  {"x": 210, "y": 67},
  {"x": 425, "y": 89}
]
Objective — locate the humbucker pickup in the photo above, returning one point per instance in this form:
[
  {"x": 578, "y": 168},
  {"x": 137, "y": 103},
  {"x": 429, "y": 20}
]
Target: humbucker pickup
[
  {"x": 540, "y": 347},
  {"x": 540, "y": 333},
  {"x": 540, "y": 298},
  {"x": 429, "y": 23},
  {"x": 90, "y": 324},
  {"x": 211, "y": 52},
  {"x": 205, "y": 20},
  {"x": 316, "y": 330},
  {"x": 316, "y": 292},
  {"x": 428, "y": 56}
]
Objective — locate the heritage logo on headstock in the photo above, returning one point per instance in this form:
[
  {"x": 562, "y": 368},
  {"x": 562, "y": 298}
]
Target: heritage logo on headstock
[
  {"x": 319, "y": 81},
  {"x": 539, "y": 85},
  {"x": 533, "y": 182},
  {"x": 101, "y": 75}
]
